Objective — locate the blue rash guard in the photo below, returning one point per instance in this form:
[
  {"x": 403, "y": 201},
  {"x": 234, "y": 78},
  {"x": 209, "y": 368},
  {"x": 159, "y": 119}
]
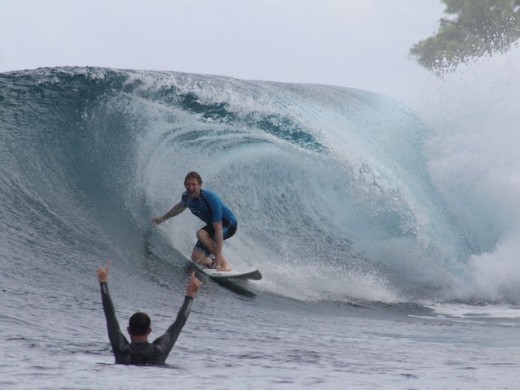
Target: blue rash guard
[{"x": 210, "y": 208}]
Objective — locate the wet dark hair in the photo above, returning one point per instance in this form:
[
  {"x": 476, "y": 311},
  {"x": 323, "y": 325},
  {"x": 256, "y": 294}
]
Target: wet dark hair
[
  {"x": 193, "y": 175},
  {"x": 139, "y": 324}
]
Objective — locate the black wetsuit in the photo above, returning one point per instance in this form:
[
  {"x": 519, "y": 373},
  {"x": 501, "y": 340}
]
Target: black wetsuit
[{"x": 141, "y": 353}]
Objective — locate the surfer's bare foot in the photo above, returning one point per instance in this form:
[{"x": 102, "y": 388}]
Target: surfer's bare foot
[
  {"x": 206, "y": 262},
  {"x": 224, "y": 268}
]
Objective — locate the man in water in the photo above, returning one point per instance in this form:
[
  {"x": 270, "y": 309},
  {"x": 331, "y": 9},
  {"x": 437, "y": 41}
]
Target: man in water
[
  {"x": 221, "y": 223},
  {"x": 140, "y": 351}
]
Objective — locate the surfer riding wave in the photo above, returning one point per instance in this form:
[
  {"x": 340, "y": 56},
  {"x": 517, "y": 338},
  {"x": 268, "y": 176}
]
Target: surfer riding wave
[{"x": 221, "y": 223}]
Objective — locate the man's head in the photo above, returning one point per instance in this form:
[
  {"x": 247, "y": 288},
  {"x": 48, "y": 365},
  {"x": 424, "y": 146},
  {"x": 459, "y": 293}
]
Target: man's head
[
  {"x": 193, "y": 183},
  {"x": 139, "y": 325},
  {"x": 193, "y": 175}
]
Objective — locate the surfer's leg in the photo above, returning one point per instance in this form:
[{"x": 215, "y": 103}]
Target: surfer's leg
[
  {"x": 200, "y": 256},
  {"x": 202, "y": 253},
  {"x": 207, "y": 243}
]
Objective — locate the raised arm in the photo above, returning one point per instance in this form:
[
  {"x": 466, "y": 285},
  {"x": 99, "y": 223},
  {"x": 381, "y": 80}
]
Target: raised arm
[
  {"x": 168, "y": 339},
  {"x": 175, "y": 210},
  {"x": 120, "y": 345},
  {"x": 219, "y": 244}
]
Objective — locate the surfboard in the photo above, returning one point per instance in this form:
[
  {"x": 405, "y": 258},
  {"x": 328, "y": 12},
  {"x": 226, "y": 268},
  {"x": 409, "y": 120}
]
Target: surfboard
[{"x": 253, "y": 274}]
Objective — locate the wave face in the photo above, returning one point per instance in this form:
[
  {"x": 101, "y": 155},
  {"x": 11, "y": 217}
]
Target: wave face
[{"x": 336, "y": 197}]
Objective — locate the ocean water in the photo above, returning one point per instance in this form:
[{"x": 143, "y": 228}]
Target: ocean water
[{"x": 387, "y": 232}]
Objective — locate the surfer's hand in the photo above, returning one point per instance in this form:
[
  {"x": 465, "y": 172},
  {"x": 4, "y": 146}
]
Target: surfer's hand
[
  {"x": 219, "y": 263},
  {"x": 102, "y": 273},
  {"x": 193, "y": 286},
  {"x": 157, "y": 221}
]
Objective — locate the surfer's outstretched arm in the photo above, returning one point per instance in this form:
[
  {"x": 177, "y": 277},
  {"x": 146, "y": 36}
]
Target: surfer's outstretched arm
[{"x": 175, "y": 210}]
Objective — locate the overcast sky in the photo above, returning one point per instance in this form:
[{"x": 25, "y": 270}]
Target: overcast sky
[{"x": 353, "y": 43}]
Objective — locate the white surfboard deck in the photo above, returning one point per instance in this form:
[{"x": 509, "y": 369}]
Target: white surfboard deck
[{"x": 252, "y": 274}]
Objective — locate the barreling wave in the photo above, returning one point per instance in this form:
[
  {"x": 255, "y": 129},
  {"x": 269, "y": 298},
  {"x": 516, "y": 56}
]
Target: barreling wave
[{"x": 330, "y": 184}]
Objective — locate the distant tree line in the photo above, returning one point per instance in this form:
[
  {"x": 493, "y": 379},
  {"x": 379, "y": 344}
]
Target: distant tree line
[{"x": 472, "y": 28}]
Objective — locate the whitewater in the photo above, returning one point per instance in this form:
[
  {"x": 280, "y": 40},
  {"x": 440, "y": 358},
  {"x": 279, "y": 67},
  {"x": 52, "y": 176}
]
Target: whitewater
[{"x": 387, "y": 231}]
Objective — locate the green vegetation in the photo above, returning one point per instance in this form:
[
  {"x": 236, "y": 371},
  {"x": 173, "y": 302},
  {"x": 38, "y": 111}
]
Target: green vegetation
[{"x": 472, "y": 28}]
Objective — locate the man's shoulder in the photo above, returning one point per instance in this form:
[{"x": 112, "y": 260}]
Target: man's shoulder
[{"x": 210, "y": 194}]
